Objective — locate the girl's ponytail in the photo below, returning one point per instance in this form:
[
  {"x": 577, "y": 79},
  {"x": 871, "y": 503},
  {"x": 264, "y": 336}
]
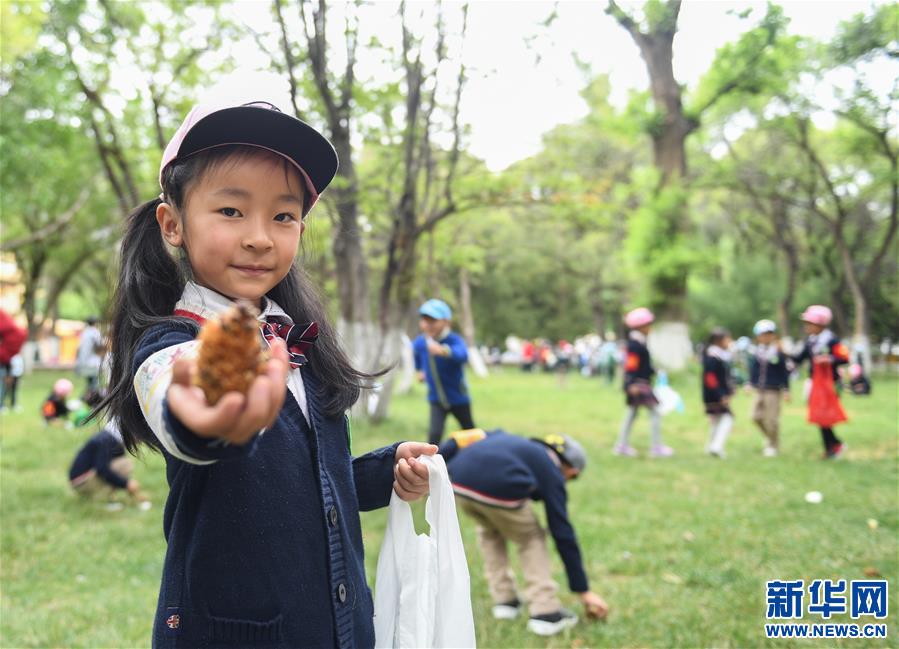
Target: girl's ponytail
[{"x": 150, "y": 283}]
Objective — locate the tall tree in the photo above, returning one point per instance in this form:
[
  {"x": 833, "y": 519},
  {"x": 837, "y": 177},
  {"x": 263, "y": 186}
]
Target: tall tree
[
  {"x": 54, "y": 200},
  {"x": 740, "y": 67},
  {"x": 336, "y": 92}
]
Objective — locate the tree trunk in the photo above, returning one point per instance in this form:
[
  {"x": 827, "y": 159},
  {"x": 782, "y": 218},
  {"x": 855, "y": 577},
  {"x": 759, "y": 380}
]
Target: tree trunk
[
  {"x": 354, "y": 323},
  {"x": 861, "y": 319},
  {"x": 785, "y": 305},
  {"x": 840, "y": 312},
  {"x": 669, "y": 344},
  {"x": 669, "y": 135},
  {"x": 466, "y": 318},
  {"x": 32, "y": 277}
]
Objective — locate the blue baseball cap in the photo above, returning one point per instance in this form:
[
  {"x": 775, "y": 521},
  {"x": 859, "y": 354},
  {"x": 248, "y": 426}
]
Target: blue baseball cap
[{"x": 437, "y": 309}]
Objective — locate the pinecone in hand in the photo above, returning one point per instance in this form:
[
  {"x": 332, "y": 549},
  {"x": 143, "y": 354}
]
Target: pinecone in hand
[{"x": 231, "y": 354}]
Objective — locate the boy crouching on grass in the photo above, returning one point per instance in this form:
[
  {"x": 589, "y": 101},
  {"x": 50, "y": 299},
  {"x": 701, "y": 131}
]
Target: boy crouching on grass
[
  {"x": 495, "y": 477},
  {"x": 100, "y": 467}
]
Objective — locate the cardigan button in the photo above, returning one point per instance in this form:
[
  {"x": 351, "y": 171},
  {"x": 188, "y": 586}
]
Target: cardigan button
[
  {"x": 341, "y": 593},
  {"x": 332, "y": 516}
]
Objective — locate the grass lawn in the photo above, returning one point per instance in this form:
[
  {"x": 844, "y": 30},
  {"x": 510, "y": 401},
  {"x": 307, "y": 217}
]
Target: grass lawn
[{"x": 680, "y": 548}]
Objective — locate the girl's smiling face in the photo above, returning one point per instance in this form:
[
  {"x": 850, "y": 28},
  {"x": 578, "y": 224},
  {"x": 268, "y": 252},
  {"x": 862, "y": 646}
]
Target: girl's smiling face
[{"x": 242, "y": 224}]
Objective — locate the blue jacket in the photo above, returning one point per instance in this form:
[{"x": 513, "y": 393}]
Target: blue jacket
[
  {"x": 504, "y": 470},
  {"x": 264, "y": 544},
  {"x": 444, "y": 374}
]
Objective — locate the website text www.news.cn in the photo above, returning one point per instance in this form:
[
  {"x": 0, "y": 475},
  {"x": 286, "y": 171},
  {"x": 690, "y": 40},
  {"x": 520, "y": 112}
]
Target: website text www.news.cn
[{"x": 847, "y": 630}]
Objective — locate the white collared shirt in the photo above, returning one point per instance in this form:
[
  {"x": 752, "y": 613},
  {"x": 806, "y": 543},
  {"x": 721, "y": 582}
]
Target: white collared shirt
[{"x": 153, "y": 377}]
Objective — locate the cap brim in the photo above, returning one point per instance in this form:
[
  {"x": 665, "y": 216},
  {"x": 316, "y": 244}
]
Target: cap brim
[{"x": 270, "y": 129}]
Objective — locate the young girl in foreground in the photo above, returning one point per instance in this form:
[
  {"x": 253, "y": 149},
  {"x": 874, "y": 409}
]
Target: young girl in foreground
[{"x": 262, "y": 518}]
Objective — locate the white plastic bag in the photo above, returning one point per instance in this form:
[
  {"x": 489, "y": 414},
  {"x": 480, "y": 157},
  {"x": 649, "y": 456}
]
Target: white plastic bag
[
  {"x": 669, "y": 399},
  {"x": 422, "y": 591}
]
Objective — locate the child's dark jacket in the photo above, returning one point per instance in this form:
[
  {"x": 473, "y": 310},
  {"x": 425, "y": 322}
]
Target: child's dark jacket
[
  {"x": 264, "y": 540},
  {"x": 637, "y": 362},
  {"x": 825, "y": 343},
  {"x": 768, "y": 369},
  {"x": 716, "y": 381}
]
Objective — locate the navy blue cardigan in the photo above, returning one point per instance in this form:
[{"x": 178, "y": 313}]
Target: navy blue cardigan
[
  {"x": 265, "y": 545},
  {"x": 767, "y": 373},
  {"x": 637, "y": 363},
  {"x": 716, "y": 381},
  {"x": 838, "y": 352}
]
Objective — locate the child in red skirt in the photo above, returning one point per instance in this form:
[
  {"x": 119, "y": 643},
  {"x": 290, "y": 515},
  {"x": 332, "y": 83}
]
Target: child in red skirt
[{"x": 825, "y": 352}]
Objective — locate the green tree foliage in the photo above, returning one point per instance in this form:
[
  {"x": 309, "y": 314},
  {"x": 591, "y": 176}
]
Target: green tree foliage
[{"x": 784, "y": 202}]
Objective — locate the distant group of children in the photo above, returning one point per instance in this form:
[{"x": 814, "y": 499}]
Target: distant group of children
[{"x": 770, "y": 367}]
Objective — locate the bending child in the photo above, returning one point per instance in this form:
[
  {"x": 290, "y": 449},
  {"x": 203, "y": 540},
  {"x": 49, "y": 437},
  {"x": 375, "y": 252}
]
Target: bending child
[
  {"x": 496, "y": 476},
  {"x": 100, "y": 467}
]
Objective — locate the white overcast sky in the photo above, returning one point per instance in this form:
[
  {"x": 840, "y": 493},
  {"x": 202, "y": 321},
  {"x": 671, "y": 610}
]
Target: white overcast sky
[{"x": 511, "y": 99}]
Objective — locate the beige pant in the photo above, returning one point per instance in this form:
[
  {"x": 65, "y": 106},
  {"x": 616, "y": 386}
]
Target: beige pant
[
  {"x": 496, "y": 526},
  {"x": 96, "y": 487},
  {"x": 766, "y": 413}
]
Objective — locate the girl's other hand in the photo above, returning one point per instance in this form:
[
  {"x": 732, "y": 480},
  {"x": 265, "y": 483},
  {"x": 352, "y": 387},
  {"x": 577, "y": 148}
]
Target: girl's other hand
[
  {"x": 411, "y": 476},
  {"x": 236, "y": 417}
]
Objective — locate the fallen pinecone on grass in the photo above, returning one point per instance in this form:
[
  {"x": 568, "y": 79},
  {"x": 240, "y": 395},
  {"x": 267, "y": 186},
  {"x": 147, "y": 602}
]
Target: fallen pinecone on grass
[{"x": 231, "y": 354}]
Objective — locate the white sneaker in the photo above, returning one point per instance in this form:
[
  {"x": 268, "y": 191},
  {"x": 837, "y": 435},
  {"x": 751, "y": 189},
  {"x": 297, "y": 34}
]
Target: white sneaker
[
  {"x": 769, "y": 451},
  {"x": 507, "y": 611},
  {"x": 552, "y": 623}
]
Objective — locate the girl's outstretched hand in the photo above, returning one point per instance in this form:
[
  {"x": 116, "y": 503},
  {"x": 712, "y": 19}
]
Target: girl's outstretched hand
[
  {"x": 411, "y": 476},
  {"x": 236, "y": 417}
]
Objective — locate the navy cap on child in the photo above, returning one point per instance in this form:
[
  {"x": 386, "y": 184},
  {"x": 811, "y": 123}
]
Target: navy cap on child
[{"x": 259, "y": 124}]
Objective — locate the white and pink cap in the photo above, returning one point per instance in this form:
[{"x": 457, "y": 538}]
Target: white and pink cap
[
  {"x": 818, "y": 315},
  {"x": 639, "y": 317},
  {"x": 63, "y": 388},
  {"x": 262, "y": 125}
]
